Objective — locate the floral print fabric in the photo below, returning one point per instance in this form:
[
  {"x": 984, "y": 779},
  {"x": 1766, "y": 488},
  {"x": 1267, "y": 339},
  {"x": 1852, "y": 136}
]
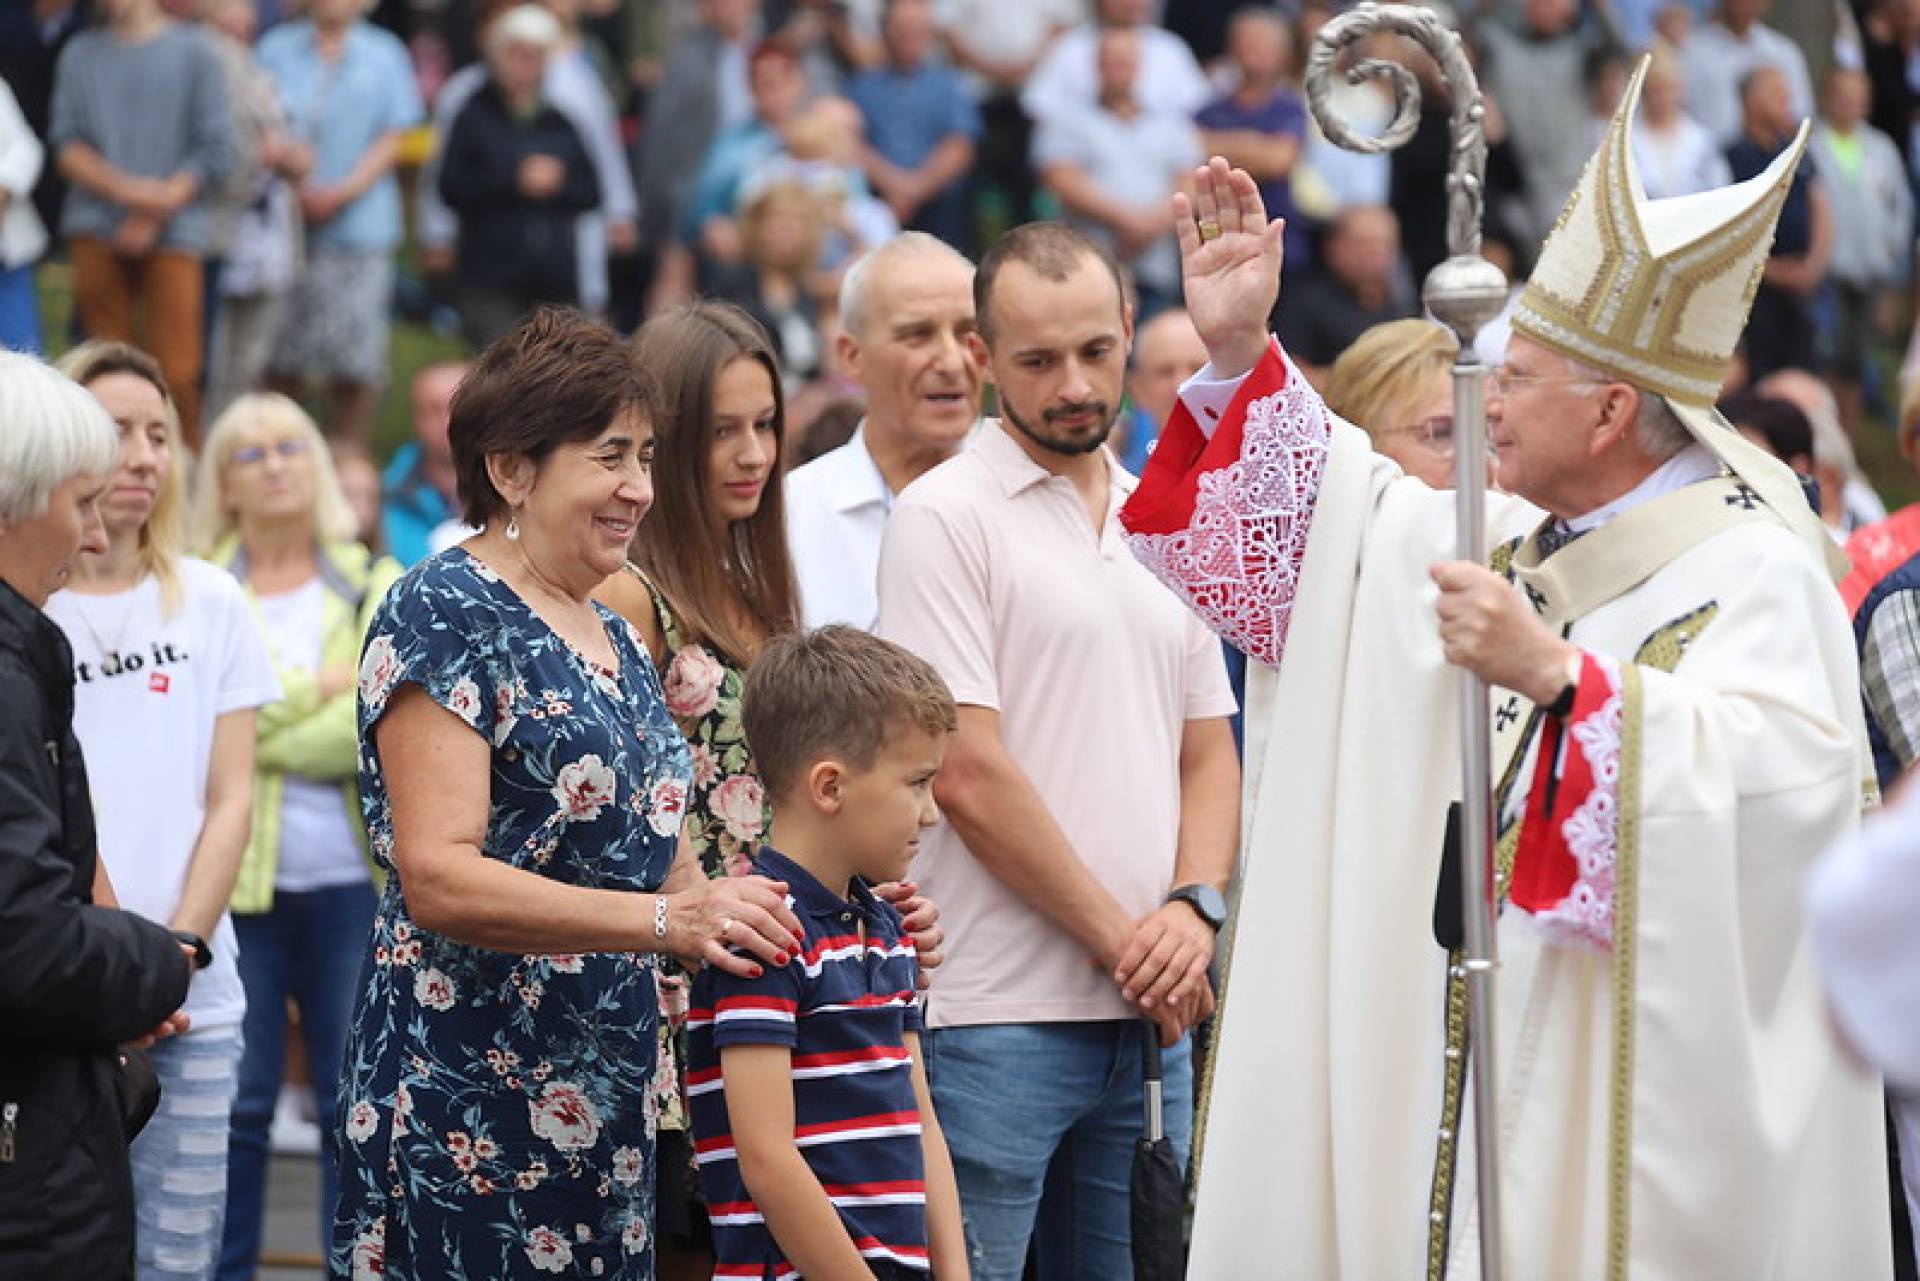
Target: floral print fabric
[{"x": 498, "y": 1120}]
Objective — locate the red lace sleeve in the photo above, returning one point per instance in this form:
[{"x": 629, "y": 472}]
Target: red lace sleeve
[
  {"x": 1563, "y": 868},
  {"x": 1223, "y": 522}
]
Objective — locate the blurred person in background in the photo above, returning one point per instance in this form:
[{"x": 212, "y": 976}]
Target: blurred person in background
[
  {"x": 270, "y": 511},
  {"x": 572, "y": 86},
  {"x": 782, "y": 226},
  {"x": 922, "y": 128},
  {"x": 906, "y": 310},
  {"x": 709, "y": 89},
  {"x": 518, "y": 175},
  {"x": 1395, "y": 383},
  {"x": 1847, "y": 500},
  {"x": 360, "y": 482},
  {"x": 1722, "y": 53},
  {"x": 1166, "y": 352},
  {"x": 1867, "y": 183},
  {"x": 1112, "y": 166},
  {"x": 1260, "y": 125},
  {"x": 999, "y": 45},
  {"x": 349, "y": 93},
  {"x": 420, "y": 485},
  {"x": 1068, "y": 78},
  {"x": 23, "y": 237},
  {"x": 142, "y": 132},
  {"x": 168, "y": 655},
  {"x": 1676, "y": 154},
  {"x": 1355, "y": 285},
  {"x": 256, "y": 217},
  {"x": 78, "y": 977},
  {"x": 1878, "y": 548},
  {"x": 779, "y": 94}
]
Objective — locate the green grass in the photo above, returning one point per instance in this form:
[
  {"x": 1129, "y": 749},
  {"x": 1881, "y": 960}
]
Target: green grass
[{"x": 410, "y": 347}]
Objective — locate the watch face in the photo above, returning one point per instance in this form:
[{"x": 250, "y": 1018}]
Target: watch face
[{"x": 1207, "y": 901}]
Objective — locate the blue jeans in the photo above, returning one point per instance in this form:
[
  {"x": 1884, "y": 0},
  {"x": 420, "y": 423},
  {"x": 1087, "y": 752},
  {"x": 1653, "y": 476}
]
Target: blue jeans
[
  {"x": 1041, "y": 1119},
  {"x": 180, "y": 1159},
  {"x": 19, "y": 310},
  {"x": 309, "y": 947}
]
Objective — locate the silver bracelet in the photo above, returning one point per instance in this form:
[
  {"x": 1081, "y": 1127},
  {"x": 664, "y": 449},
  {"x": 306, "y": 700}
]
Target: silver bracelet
[{"x": 660, "y": 917}]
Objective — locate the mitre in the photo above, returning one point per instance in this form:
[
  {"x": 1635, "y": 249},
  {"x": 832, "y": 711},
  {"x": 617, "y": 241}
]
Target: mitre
[{"x": 1656, "y": 293}]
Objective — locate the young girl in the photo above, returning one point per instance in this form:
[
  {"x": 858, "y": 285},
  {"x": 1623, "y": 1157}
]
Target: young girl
[
  {"x": 708, "y": 584},
  {"x": 169, "y": 667}
]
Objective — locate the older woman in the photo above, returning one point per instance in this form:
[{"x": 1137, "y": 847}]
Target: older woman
[
  {"x": 271, "y": 510},
  {"x": 1393, "y": 382},
  {"x": 523, "y": 781},
  {"x": 76, "y": 979},
  {"x": 171, "y": 668}
]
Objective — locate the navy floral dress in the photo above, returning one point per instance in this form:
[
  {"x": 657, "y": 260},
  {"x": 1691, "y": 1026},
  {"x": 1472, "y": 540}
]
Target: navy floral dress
[{"x": 496, "y": 1110}]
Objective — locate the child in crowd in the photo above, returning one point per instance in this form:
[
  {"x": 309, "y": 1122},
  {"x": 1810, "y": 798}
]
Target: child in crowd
[{"x": 817, "y": 1142}]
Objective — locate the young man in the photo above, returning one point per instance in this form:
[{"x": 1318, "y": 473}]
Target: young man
[
  {"x": 817, "y": 1141},
  {"x": 1090, "y": 794}
]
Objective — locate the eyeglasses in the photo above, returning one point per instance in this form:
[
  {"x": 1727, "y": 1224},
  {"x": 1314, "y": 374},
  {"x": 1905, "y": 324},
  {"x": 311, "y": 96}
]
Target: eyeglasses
[
  {"x": 254, "y": 455},
  {"x": 1436, "y": 433},
  {"x": 1502, "y": 379}
]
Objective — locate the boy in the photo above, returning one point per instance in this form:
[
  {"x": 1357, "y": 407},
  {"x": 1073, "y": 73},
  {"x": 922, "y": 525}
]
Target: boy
[{"x": 818, "y": 1147}]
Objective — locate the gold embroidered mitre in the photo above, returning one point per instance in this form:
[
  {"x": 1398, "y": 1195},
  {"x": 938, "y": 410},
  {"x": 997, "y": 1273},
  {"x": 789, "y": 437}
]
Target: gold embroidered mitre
[{"x": 1655, "y": 292}]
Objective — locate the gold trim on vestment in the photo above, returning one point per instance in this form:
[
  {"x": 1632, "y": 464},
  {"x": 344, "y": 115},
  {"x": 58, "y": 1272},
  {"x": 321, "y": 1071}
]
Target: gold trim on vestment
[{"x": 1626, "y": 943}]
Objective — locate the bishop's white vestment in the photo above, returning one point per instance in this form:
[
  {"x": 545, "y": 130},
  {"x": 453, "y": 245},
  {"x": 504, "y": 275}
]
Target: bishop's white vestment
[{"x": 1672, "y": 1104}]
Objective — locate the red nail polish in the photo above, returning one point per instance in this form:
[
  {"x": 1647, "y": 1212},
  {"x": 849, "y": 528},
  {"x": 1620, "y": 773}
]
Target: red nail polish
[
  {"x": 781, "y": 959},
  {"x": 755, "y": 972}
]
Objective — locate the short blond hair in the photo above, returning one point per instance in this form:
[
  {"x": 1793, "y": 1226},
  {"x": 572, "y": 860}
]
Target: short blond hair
[
  {"x": 275, "y": 417},
  {"x": 1377, "y": 383},
  {"x": 836, "y": 693},
  {"x": 163, "y": 539}
]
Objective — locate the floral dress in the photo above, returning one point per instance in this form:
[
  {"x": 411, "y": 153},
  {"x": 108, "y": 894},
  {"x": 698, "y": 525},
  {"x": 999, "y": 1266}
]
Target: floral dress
[{"x": 497, "y": 1108}]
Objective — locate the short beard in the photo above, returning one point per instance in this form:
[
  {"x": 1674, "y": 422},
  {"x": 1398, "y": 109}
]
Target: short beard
[{"x": 1069, "y": 449}]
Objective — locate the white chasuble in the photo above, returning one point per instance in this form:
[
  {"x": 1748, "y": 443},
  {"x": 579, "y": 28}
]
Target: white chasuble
[{"x": 1672, "y": 1105}]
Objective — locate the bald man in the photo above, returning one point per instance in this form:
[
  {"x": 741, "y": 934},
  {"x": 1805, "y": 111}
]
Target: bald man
[{"x": 1166, "y": 352}]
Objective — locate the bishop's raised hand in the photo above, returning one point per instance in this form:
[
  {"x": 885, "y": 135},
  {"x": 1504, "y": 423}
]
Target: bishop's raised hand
[{"x": 1230, "y": 256}]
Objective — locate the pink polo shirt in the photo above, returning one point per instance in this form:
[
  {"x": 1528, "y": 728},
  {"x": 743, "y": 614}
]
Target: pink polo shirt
[{"x": 992, "y": 572}]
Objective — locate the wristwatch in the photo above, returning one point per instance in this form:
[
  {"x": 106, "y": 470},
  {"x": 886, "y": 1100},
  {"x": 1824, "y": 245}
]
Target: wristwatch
[
  {"x": 1205, "y": 900},
  {"x": 202, "y": 954}
]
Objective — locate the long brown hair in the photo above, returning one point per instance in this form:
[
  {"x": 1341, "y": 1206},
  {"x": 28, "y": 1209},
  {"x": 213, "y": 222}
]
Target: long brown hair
[{"x": 732, "y": 588}]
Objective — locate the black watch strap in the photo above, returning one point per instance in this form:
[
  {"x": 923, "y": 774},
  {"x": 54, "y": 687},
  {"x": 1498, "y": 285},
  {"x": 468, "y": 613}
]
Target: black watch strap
[{"x": 202, "y": 954}]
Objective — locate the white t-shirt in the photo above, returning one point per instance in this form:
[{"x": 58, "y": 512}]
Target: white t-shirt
[
  {"x": 318, "y": 848},
  {"x": 147, "y": 692}
]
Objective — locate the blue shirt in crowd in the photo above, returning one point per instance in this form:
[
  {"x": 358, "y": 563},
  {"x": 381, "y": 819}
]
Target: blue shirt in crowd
[
  {"x": 1284, "y": 115},
  {"x": 1793, "y": 235},
  {"x": 340, "y": 108},
  {"x": 843, "y": 1007},
  {"x": 910, "y": 112}
]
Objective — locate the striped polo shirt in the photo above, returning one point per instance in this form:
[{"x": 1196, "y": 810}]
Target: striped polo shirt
[{"x": 843, "y": 1008}]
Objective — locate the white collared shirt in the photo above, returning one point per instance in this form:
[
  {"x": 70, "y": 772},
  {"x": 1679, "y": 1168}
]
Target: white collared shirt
[
  {"x": 1691, "y": 465},
  {"x": 837, "y": 509}
]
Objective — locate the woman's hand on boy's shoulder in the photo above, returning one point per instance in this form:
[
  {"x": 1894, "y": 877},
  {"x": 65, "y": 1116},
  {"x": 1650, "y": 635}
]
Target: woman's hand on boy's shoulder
[{"x": 921, "y": 920}]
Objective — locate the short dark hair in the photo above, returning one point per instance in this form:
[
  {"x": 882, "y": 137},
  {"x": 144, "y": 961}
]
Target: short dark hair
[
  {"x": 836, "y": 692},
  {"x": 1051, "y": 250},
  {"x": 1780, "y": 423},
  {"x": 556, "y": 377}
]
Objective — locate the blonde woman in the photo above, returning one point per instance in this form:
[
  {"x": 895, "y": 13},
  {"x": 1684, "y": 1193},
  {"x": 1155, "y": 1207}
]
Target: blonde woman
[
  {"x": 1393, "y": 382},
  {"x": 270, "y": 507},
  {"x": 169, "y": 669}
]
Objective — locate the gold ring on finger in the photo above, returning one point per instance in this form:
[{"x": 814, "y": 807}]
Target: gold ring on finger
[
  {"x": 1209, "y": 229},
  {"x": 726, "y": 926}
]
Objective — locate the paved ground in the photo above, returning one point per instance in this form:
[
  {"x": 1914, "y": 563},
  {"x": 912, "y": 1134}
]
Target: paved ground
[{"x": 293, "y": 1219}]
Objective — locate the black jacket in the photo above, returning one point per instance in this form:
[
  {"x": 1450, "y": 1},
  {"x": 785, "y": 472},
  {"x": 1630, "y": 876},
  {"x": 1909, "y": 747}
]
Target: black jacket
[
  {"x": 75, "y": 981},
  {"x": 508, "y": 240}
]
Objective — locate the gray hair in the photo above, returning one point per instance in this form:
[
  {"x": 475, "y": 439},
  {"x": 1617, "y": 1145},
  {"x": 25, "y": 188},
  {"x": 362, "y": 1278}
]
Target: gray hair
[
  {"x": 1657, "y": 430},
  {"x": 51, "y": 430},
  {"x": 854, "y": 285}
]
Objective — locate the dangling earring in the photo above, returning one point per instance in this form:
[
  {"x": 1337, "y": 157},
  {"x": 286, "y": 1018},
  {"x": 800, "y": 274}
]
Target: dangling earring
[{"x": 513, "y": 530}]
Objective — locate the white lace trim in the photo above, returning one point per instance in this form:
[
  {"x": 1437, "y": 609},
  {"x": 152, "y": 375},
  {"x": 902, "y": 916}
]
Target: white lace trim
[
  {"x": 1237, "y": 563},
  {"x": 1584, "y": 918}
]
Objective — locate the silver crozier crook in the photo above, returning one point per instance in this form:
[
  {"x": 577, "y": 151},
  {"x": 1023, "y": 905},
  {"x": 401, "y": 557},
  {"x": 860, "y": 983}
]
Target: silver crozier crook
[{"x": 1463, "y": 293}]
